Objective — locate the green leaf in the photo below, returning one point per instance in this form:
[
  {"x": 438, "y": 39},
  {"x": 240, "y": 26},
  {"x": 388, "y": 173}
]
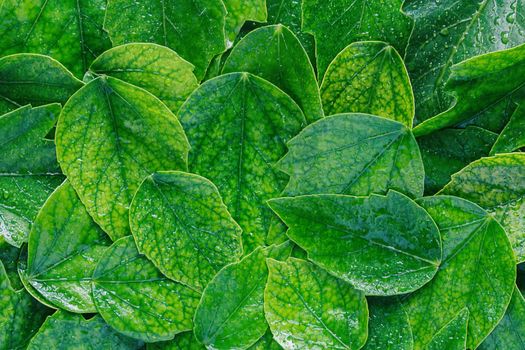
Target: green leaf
[
  {"x": 337, "y": 23},
  {"x": 478, "y": 272},
  {"x": 508, "y": 334},
  {"x": 34, "y": 79},
  {"x": 496, "y": 184},
  {"x": 238, "y": 125},
  {"x": 369, "y": 77},
  {"x": 267, "y": 342},
  {"x": 275, "y": 54},
  {"x": 64, "y": 247},
  {"x": 28, "y": 168},
  {"x": 181, "y": 224},
  {"x": 452, "y": 336},
  {"x": 110, "y": 136},
  {"x": 240, "y": 11},
  {"x": 63, "y": 331},
  {"x": 382, "y": 245},
  {"x": 135, "y": 299},
  {"x": 236, "y": 321},
  {"x": 388, "y": 326},
  {"x": 450, "y": 31},
  {"x": 513, "y": 136},
  {"x": 449, "y": 150},
  {"x": 9, "y": 258},
  {"x": 67, "y": 30},
  {"x": 354, "y": 154},
  {"x": 20, "y": 315},
  {"x": 307, "y": 308},
  {"x": 477, "y": 84},
  {"x": 192, "y": 28},
  {"x": 182, "y": 341}
]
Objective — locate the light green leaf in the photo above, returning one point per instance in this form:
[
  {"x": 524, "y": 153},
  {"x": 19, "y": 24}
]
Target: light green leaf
[
  {"x": 64, "y": 247},
  {"x": 338, "y": 23},
  {"x": 240, "y": 11},
  {"x": 369, "y": 77},
  {"x": 135, "y": 299},
  {"x": 110, "y": 136},
  {"x": 382, "y": 245},
  {"x": 452, "y": 336},
  {"x": 182, "y": 341},
  {"x": 192, "y": 28},
  {"x": 63, "y": 331},
  {"x": 238, "y": 125},
  {"x": 307, "y": 308},
  {"x": 67, "y": 30},
  {"x": 449, "y": 31},
  {"x": 513, "y": 135},
  {"x": 275, "y": 54},
  {"x": 478, "y": 272},
  {"x": 449, "y": 150},
  {"x": 236, "y": 321},
  {"x": 477, "y": 84},
  {"x": 496, "y": 184},
  {"x": 354, "y": 154},
  {"x": 181, "y": 224},
  {"x": 508, "y": 334},
  {"x": 34, "y": 79}
]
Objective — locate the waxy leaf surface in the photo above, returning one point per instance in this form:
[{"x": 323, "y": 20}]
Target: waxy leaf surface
[
  {"x": 453, "y": 336},
  {"x": 240, "y": 11},
  {"x": 513, "y": 135}
]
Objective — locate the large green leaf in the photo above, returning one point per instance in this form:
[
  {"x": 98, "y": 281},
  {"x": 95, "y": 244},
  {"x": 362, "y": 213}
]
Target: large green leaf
[
  {"x": 193, "y": 28},
  {"x": 135, "y": 299},
  {"x": 152, "y": 67},
  {"x": 34, "y": 79},
  {"x": 63, "y": 331},
  {"x": 369, "y": 77},
  {"x": 449, "y": 150},
  {"x": 452, "y": 336},
  {"x": 240, "y": 11},
  {"x": 181, "y": 224},
  {"x": 238, "y": 125},
  {"x": 496, "y": 184},
  {"x": 450, "y": 31},
  {"x": 275, "y": 54},
  {"x": 29, "y": 171},
  {"x": 231, "y": 314},
  {"x": 382, "y": 245},
  {"x": 478, "y": 84},
  {"x": 64, "y": 247},
  {"x": 182, "y": 341},
  {"x": 307, "y": 308},
  {"x": 354, "y": 154},
  {"x": 513, "y": 135},
  {"x": 110, "y": 136},
  {"x": 67, "y": 30},
  {"x": 509, "y": 333},
  {"x": 478, "y": 272},
  {"x": 338, "y": 23}
]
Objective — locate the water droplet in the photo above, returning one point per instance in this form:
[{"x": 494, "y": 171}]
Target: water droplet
[
  {"x": 511, "y": 17},
  {"x": 505, "y": 37},
  {"x": 444, "y": 31}
]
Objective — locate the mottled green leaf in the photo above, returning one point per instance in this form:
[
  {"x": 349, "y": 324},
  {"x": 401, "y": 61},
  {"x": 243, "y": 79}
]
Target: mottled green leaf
[
  {"x": 236, "y": 321},
  {"x": 63, "y": 331},
  {"x": 513, "y": 135},
  {"x": 449, "y": 150},
  {"x": 63, "y": 249},
  {"x": 354, "y": 154},
  {"x": 193, "y": 28},
  {"x": 181, "y": 224},
  {"x": 496, "y": 184},
  {"x": 478, "y": 272},
  {"x": 237, "y": 125},
  {"x": 240, "y": 11},
  {"x": 477, "y": 84},
  {"x": 337, "y": 23},
  {"x": 452, "y": 336},
  {"x": 182, "y": 341},
  {"x": 450, "y": 31},
  {"x": 382, "y": 245},
  {"x": 307, "y": 308},
  {"x": 67, "y": 30},
  {"x": 509, "y": 333},
  {"x": 34, "y": 79},
  {"x": 135, "y": 299},
  {"x": 369, "y": 77},
  {"x": 110, "y": 136},
  {"x": 275, "y": 54}
]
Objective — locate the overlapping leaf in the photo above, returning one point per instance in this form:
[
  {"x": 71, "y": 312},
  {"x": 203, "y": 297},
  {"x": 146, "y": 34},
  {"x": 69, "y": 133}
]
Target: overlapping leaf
[
  {"x": 512, "y": 137},
  {"x": 240, "y": 11}
]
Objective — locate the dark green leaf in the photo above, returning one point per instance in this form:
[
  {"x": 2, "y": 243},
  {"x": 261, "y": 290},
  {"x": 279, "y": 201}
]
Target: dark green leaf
[
  {"x": 9, "y": 258},
  {"x": 513, "y": 136}
]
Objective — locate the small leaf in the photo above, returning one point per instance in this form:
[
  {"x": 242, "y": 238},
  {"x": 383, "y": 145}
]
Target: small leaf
[
  {"x": 382, "y": 245},
  {"x": 240, "y": 11},
  {"x": 369, "y": 77},
  {"x": 513, "y": 136},
  {"x": 135, "y": 299},
  {"x": 181, "y": 224},
  {"x": 452, "y": 336},
  {"x": 110, "y": 136}
]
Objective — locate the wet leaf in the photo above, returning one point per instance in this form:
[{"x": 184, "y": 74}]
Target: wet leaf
[
  {"x": 452, "y": 336},
  {"x": 513, "y": 136},
  {"x": 240, "y": 11}
]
